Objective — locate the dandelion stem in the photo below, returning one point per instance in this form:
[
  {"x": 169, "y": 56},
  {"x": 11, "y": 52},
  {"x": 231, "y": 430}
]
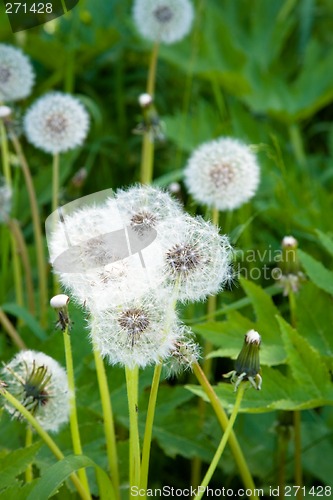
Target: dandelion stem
[
  {"x": 74, "y": 425},
  {"x": 109, "y": 428},
  {"x": 12, "y": 332},
  {"x": 132, "y": 378},
  {"x": 45, "y": 437},
  {"x": 55, "y": 181},
  {"x": 149, "y": 427},
  {"x": 28, "y": 442},
  {"x": 22, "y": 249},
  {"x": 8, "y": 177},
  {"x": 37, "y": 229},
  {"x": 223, "y": 442},
  {"x": 223, "y": 419},
  {"x": 147, "y": 154}
]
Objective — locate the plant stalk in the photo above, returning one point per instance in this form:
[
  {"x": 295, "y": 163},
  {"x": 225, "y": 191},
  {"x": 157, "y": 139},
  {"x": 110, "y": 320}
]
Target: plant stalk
[{"x": 132, "y": 378}]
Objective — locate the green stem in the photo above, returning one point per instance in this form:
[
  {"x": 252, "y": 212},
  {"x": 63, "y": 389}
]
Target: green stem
[
  {"x": 223, "y": 442},
  {"x": 55, "y": 181},
  {"x": 223, "y": 419},
  {"x": 37, "y": 230},
  {"x": 22, "y": 249},
  {"x": 132, "y": 378},
  {"x": 109, "y": 428},
  {"x": 5, "y": 154},
  {"x": 74, "y": 425},
  {"x": 45, "y": 437},
  {"x": 17, "y": 272},
  {"x": 297, "y": 144},
  {"x": 147, "y": 154},
  {"x": 28, "y": 442},
  {"x": 12, "y": 332},
  {"x": 149, "y": 427}
]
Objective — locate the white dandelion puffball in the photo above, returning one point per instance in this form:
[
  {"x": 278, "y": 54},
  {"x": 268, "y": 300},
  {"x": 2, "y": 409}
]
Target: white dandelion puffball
[
  {"x": 140, "y": 332},
  {"x": 197, "y": 259},
  {"x": 223, "y": 173},
  {"x": 40, "y": 384},
  {"x": 16, "y": 74},
  {"x": 166, "y": 21},
  {"x": 56, "y": 123}
]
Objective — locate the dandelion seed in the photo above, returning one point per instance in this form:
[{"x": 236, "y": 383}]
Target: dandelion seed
[
  {"x": 184, "y": 354},
  {"x": 223, "y": 173},
  {"x": 56, "y": 123},
  {"x": 166, "y": 21},
  {"x": 16, "y": 74},
  {"x": 40, "y": 384}
]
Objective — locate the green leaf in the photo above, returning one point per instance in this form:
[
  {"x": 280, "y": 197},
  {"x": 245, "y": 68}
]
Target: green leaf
[
  {"x": 318, "y": 273},
  {"x": 306, "y": 364},
  {"x": 29, "y": 320},
  {"x": 16, "y": 462},
  {"x": 326, "y": 241},
  {"x": 55, "y": 475}
]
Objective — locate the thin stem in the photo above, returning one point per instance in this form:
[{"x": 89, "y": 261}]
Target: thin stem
[
  {"x": 223, "y": 442},
  {"x": 37, "y": 229},
  {"x": 149, "y": 427},
  {"x": 55, "y": 181},
  {"x": 132, "y": 378},
  {"x": 109, "y": 428},
  {"x": 297, "y": 144},
  {"x": 45, "y": 437},
  {"x": 12, "y": 332},
  {"x": 15, "y": 229},
  {"x": 74, "y": 425},
  {"x": 223, "y": 419},
  {"x": 28, "y": 442},
  {"x": 17, "y": 271},
  {"x": 5, "y": 154},
  {"x": 147, "y": 154}
]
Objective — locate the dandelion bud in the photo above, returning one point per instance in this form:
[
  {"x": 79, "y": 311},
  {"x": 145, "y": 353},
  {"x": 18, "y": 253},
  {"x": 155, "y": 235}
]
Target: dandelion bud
[
  {"x": 145, "y": 100},
  {"x": 60, "y": 302},
  {"x": 247, "y": 365},
  {"x": 223, "y": 173},
  {"x": 16, "y": 74},
  {"x": 40, "y": 384},
  {"x": 290, "y": 276}
]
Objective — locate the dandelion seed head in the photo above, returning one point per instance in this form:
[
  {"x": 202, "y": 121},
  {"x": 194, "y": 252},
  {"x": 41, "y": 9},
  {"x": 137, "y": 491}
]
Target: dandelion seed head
[
  {"x": 140, "y": 332},
  {"x": 184, "y": 354},
  {"x": 56, "y": 123},
  {"x": 223, "y": 173},
  {"x": 40, "y": 384},
  {"x": 197, "y": 258},
  {"x": 166, "y": 21},
  {"x": 16, "y": 74}
]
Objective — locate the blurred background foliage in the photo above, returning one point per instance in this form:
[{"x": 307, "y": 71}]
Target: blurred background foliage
[{"x": 258, "y": 70}]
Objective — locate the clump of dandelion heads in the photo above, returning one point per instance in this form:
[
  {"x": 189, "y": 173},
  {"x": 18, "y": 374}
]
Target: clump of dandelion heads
[
  {"x": 140, "y": 332},
  {"x": 5, "y": 200},
  {"x": 56, "y": 123},
  {"x": 16, "y": 74},
  {"x": 166, "y": 21},
  {"x": 223, "y": 173},
  {"x": 197, "y": 259},
  {"x": 40, "y": 384}
]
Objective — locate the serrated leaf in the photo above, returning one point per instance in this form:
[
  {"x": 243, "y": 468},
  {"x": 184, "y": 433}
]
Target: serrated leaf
[
  {"x": 17, "y": 492},
  {"x": 318, "y": 273},
  {"x": 55, "y": 475},
  {"x": 305, "y": 363},
  {"x": 16, "y": 462},
  {"x": 315, "y": 318},
  {"x": 326, "y": 241}
]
